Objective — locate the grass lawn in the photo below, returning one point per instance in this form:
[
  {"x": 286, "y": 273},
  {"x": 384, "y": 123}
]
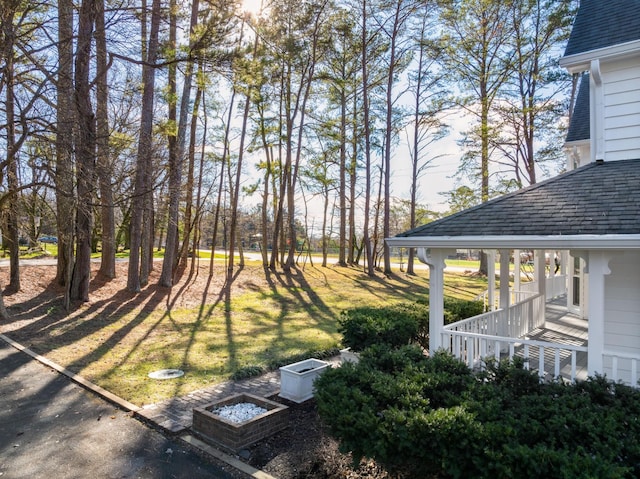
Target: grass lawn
[{"x": 117, "y": 338}]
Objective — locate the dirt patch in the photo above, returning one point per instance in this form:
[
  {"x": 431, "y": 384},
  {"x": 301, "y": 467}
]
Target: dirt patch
[{"x": 305, "y": 450}]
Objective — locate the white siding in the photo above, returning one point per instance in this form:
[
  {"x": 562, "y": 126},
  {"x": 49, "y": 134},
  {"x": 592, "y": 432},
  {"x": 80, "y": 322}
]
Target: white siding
[
  {"x": 621, "y": 101},
  {"x": 622, "y": 310}
]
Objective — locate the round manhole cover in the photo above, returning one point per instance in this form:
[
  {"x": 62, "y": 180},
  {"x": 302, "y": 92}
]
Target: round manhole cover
[{"x": 166, "y": 374}]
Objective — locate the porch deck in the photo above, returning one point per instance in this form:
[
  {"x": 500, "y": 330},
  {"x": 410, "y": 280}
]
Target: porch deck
[
  {"x": 560, "y": 327},
  {"x": 550, "y": 339}
]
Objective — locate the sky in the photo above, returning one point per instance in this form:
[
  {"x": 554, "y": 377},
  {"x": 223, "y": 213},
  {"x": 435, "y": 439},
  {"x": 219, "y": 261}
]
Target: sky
[{"x": 438, "y": 177}]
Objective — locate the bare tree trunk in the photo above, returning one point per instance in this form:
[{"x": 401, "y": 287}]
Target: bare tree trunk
[
  {"x": 267, "y": 177},
  {"x": 300, "y": 106},
  {"x": 64, "y": 176},
  {"x": 223, "y": 162},
  {"x": 4, "y": 315},
  {"x": 352, "y": 184},
  {"x": 278, "y": 213},
  {"x": 197, "y": 230},
  {"x": 86, "y": 153},
  {"x": 325, "y": 233},
  {"x": 189, "y": 225},
  {"x": 235, "y": 189},
  {"x": 143, "y": 168},
  {"x": 342, "y": 259},
  {"x": 415, "y": 159},
  {"x": 367, "y": 140},
  {"x": 12, "y": 233},
  {"x": 170, "y": 262},
  {"x": 103, "y": 166}
]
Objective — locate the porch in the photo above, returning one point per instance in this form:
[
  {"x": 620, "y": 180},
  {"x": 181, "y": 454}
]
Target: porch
[{"x": 549, "y": 338}]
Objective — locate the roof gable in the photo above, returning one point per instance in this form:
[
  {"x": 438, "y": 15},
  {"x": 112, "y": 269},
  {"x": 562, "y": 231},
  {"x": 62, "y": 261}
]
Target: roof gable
[
  {"x": 596, "y": 199},
  {"x": 601, "y": 24}
]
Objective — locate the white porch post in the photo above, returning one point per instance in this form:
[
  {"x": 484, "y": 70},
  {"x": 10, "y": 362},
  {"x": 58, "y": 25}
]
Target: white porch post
[
  {"x": 566, "y": 271},
  {"x": 598, "y": 266},
  {"x": 505, "y": 299},
  {"x": 539, "y": 271},
  {"x": 491, "y": 277},
  {"x": 516, "y": 270},
  {"x": 435, "y": 259}
]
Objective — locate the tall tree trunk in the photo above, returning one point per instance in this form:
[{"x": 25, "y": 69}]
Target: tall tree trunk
[
  {"x": 223, "y": 162},
  {"x": 278, "y": 199},
  {"x": 103, "y": 165},
  {"x": 415, "y": 160},
  {"x": 235, "y": 188},
  {"x": 300, "y": 107},
  {"x": 189, "y": 224},
  {"x": 142, "y": 185},
  {"x": 86, "y": 153},
  {"x": 197, "y": 236},
  {"x": 11, "y": 235},
  {"x": 353, "y": 166},
  {"x": 267, "y": 177},
  {"x": 64, "y": 176},
  {"x": 170, "y": 262},
  {"x": 342, "y": 260},
  {"x": 367, "y": 142}
]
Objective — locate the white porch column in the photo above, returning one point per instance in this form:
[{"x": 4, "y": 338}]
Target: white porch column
[
  {"x": 516, "y": 270},
  {"x": 491, "y": 277},
  {"x": 539, "y": 271},
  {"x": 566, "y": 271},
  {"x": 435, "y": 259},
  {"x": 598, "y": 266},
  {"x": 505, "y": 298}
]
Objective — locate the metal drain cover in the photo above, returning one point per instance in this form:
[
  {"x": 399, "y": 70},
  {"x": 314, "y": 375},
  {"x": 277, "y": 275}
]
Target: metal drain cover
[{"x": 166, "y": 374}]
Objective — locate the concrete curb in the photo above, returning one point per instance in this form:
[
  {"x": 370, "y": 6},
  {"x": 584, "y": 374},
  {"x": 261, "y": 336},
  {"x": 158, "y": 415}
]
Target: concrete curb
[{"x": 130, "y": 407}]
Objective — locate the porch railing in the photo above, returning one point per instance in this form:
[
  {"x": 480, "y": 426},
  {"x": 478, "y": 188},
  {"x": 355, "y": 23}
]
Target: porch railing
[
  {"x": 554, "y": 286},
  {"x": 621, "y": 367},
  {"x": 502, "y": 334},
  {"x": 559, "y": 360},
  {"x": 515, "y": 321}
]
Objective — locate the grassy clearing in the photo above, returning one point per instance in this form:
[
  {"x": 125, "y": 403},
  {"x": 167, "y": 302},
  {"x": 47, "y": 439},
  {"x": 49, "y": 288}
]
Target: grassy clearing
[{"x": 268, "y": 318}]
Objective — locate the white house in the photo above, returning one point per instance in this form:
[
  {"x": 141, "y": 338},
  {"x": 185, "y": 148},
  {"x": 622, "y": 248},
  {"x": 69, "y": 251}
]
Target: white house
[{"x": 590, "y": 215}]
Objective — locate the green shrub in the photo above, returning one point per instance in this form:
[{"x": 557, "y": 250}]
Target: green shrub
[
  {"x": 426, "y": 417},
  {"x": 458, "y": 309},
  {"x": 395, "y": 325},
  {"x": 398, "y": 324}
]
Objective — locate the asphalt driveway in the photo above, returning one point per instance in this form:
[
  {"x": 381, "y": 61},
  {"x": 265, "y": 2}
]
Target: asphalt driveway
[{"x": 52, "y": 428}]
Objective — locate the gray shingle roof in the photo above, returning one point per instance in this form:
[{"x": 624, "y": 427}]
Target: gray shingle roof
[
  {"x": 600, "y": 198},
  {"x": 579, "y": 128},
  {"x": 603, "y": 23}
]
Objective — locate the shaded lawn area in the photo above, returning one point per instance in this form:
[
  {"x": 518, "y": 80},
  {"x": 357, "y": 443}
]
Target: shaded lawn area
[{"x": 118, "y": 337}]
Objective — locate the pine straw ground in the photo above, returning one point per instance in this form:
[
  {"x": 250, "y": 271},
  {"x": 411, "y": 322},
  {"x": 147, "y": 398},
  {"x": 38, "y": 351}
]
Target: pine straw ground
[{"x": 37, "y": 318}]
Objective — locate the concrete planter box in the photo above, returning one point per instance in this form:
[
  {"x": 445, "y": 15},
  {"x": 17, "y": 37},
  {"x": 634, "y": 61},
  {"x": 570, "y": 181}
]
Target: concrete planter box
[
  {"x": 238, "y": 435},
  {"x": 296, "y": 380},
  {"x": 348, "y": 356}
]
